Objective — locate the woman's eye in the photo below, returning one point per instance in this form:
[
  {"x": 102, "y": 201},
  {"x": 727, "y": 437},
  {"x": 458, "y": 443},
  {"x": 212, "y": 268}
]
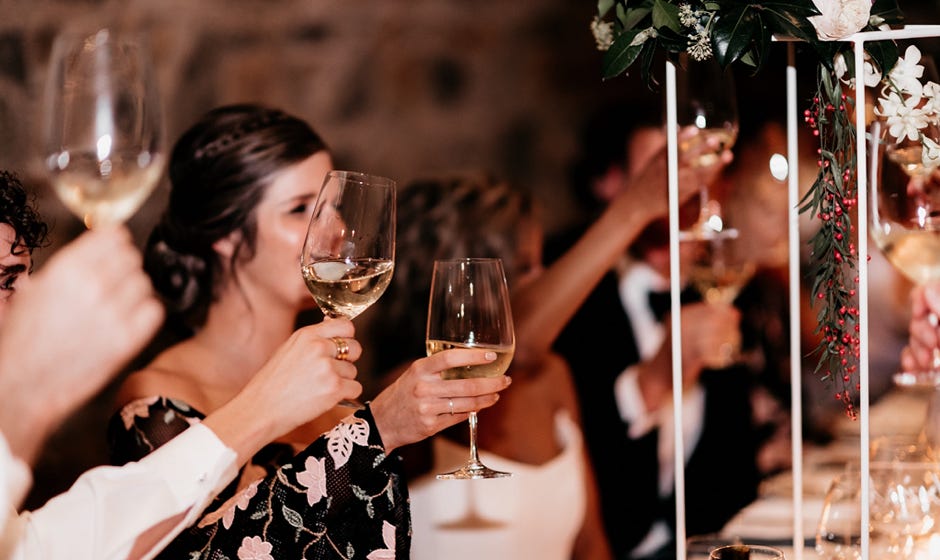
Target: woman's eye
[{"x": 299, "y": 209}]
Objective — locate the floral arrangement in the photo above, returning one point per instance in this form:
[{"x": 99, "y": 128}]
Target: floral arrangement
[
  {"x": 910, "y": 108},
  {"x": 735, "y": 32}
]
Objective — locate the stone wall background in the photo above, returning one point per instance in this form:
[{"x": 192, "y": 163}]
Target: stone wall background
[{"x": 402, "y": 88}]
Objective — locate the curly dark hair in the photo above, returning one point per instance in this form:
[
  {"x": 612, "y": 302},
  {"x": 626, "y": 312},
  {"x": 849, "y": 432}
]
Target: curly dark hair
[{"x": 16, "y": 209}]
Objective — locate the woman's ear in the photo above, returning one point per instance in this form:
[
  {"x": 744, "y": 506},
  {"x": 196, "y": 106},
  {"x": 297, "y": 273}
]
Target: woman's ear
[{"x": 227, "y": 245}]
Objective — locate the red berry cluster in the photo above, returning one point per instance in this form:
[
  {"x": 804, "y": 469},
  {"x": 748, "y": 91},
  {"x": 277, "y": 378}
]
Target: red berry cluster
[{"x": 833, "y": 199}]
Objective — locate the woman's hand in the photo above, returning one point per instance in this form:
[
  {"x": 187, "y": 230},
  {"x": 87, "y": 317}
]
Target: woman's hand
[
  {"x": 419, "y": 403},
  {"x": 302, "y": 380},
  {"x": 921, "y": 352}
]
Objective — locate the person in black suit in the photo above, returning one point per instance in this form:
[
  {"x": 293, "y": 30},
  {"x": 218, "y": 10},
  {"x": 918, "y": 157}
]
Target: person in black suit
[{"x": 623, "y": 374}]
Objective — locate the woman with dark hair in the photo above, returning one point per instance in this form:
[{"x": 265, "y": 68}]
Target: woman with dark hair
[{"x": 225, "y": 257}]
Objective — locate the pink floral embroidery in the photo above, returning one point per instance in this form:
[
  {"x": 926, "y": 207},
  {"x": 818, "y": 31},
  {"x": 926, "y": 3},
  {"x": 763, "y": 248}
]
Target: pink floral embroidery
[
  {"x": 226, "y": 512},
  {"x": 253, "y": 548},
  {"x": 341, "y": 439},
  {"x": 241, "y": 502},
  {"x": 133, "y": 409},
  {"x": 314, "y": 479},
  {"x": 388, "y": 535}
]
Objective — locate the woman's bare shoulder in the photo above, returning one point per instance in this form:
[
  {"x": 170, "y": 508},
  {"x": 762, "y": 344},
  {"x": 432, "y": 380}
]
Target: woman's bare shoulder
[{"x": 165, "y": 376}]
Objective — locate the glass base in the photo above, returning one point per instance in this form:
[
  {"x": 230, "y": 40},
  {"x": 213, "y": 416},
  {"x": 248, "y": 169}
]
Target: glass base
[
  {"x": 705, "y": 232},
  {"x": 917, "y": 379},
  {"x": 472, "y": 471}
]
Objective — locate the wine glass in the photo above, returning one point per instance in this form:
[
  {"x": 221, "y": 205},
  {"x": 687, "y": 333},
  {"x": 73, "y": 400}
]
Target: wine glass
[
  {"x": 746, "y": 552},
  {"x": 103, "y": 130},
  {"x": 349, "y": 252},
  {"x": 706, "y": 111},
  {"x": 904, "y": 217},
  {"x": 718, "y": 264},
  {"x": 469, "y": 308},
  {"x": 838, "y": 532}
]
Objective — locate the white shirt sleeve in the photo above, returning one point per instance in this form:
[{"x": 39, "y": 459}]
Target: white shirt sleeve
[
  {"x": 103, "y": 513},
  {"x": 15, "y": 480}
]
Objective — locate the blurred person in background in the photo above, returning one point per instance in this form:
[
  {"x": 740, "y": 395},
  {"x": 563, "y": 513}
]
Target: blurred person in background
[{"x": 625, "y": 382}]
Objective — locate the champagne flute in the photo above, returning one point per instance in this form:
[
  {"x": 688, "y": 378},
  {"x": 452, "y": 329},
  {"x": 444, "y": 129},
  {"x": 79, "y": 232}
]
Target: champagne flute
[
  {"x": 349, "y": 252},
  {"x": 469, "y": 308},
  {"x": 705, "y": 104},
  {"x": 102, "y": 141}
]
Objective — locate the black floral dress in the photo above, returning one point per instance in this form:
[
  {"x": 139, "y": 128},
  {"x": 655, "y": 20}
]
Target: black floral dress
[{"x": 340, "y": 498}]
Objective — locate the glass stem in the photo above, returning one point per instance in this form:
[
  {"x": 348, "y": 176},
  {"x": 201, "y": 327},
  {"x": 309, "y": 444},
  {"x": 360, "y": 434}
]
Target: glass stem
[
  {"x": 472, "y": 420},
  {"x": 704, "y": 208}
]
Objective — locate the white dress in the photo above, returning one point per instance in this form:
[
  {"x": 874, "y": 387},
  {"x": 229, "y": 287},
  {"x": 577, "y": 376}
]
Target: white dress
[{"x": 536, "y": 513}]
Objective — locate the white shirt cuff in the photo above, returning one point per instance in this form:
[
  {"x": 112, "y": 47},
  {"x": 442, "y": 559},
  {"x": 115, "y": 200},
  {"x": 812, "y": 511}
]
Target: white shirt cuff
[
  {"x": 108, "y": 508},
  {"x": 630, "y": 404}
]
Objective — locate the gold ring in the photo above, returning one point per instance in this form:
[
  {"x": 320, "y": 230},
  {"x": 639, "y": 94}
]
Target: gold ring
[
  {"x": 342, "y": 348},
  {"x": 450, "y": 403}
]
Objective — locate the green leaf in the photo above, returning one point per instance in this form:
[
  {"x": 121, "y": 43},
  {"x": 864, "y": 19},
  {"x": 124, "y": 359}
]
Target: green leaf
[
  {"x": 887, "y": 10},
  {"x": 788, "y": 20},
  {"x": 635, "y": 16},
  {"x": 732, "y": 34},
  {"x": 884, "y": 54},
  {"x": 604, "y": 6},
  {"x": 621, "y": 54},
  {"x": 647, "y": 56},
  {"x": 666, "y": 14}
]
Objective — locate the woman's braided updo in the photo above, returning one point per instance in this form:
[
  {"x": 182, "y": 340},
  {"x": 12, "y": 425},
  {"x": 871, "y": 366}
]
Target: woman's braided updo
[{"x": 219, "y": 170}]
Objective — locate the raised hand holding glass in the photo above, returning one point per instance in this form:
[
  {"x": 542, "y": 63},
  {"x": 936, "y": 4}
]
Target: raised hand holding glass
[
  {"x": 469, "y": 308},
  {"x": 349, "y": 252}
]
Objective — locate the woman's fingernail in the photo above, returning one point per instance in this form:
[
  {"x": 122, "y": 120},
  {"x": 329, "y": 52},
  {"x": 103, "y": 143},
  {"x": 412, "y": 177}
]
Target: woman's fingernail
[{"x": 490, "y": 355}]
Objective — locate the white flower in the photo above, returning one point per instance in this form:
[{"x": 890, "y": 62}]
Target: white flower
[
  {"x": 931, "y": 94},
  {"x": 700, "y": 47},
  {"x": 903, "y": 120},
  {"x": 687, "y": 15},
  {"x": 930, "y": 156},
  {"x": 840, "y": 18},
  {"x": 907, "y": 73},
  {"x": 603, "y": 32},
  {"x": 870, "y": 74},
  {"x": 840, "y": 67}
]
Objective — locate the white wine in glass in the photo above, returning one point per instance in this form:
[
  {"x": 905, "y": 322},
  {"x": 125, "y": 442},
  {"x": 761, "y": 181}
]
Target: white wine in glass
[
  {"x": 469, "y": 308},
  {"x": 719, "y": 266},
  {"x": 103, "y": 129},
  {"x": 706, "y": 114},
  {"x": 349, "y": 252}
]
